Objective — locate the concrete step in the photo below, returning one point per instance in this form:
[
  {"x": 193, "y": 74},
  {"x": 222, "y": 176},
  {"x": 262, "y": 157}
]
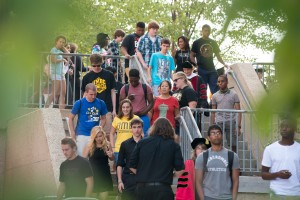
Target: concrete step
[{"x": 65, "y": 121}]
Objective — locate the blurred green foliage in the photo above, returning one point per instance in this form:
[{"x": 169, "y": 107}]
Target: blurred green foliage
[{"x": 283, "y": 15}]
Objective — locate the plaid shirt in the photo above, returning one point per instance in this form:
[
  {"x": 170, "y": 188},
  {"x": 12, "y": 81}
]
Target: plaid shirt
[
  {"x": 113, "y": 48},
  {"x": 146, "y": 47}
]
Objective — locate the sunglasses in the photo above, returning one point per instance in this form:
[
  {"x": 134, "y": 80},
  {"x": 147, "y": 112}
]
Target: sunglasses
[
  {"x": 96, "y": 65},
  {"x": 175, "y": 80}
]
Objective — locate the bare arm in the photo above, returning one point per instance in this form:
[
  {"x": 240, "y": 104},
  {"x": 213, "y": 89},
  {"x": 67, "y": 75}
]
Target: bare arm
[
  {"x": 235, "y": 183},
  {"x": 124, "y": 52},
  {"x": 120, "y": 182},
  {"x": 111, "y": 136},
  {"x": 85, "y": 152},
  {"x": 141, "y": 59},
  {"x": 89, "y": 186},
  {"x": 54, "y": 60},
  {"x": 149, "y": 106},
  {"x": 102, "y": 120},
  {"x": 192, "y": 57},
  {"x": 179, "y": 173},
  {"x": 61, "y": 191},
  {"x": 149, "y": 74},
  {"x": 199, "y": 183},
  {"x": 192, "y": 104},
  {"x": 220, "y": 59},
  {"x": 113, "y": 98},
  {"x": 213, "y": 115},
  {"x": 71, "y": 125},
  {"x": 110, "y": 152},
  {"x": 266, "y": 175},
  {"x": 176, "y": 113},
  {"x": 133, "y": 170}
]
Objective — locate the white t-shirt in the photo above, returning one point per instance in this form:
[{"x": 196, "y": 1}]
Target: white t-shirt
[{"x": 279, "y": 157}]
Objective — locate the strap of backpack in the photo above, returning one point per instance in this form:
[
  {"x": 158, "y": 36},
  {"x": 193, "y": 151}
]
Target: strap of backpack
[
  {"x": 230, "y": 163},
  {"x": 145, "y": 91},
  {"x": 126, "y": 90},
  {"x": 205, "y": 158}
]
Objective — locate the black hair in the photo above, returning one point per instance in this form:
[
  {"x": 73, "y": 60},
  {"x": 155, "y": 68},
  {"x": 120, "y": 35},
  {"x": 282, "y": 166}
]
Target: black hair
[
  {"x": 223, "y": 76},
  {"x": 101, "y": 40},
  {"x": 166, "y": 81},
  {"x": 140, "y": 25},
  {"x": 134, "y": 73},
  {"x": 214, "y": 127},
  {"x": 186, "y": 42}
]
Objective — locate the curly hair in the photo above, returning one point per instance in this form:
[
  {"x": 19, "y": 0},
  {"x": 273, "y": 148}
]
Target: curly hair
[
  {"x": 92, "y": 142},
  {"x": 162, "y": 127}
]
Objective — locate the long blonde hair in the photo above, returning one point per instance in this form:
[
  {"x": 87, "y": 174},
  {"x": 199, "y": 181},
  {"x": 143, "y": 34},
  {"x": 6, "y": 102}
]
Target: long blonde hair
[
  {"x": 92, "y": 142},
  {"x": 183, "y": 76}
]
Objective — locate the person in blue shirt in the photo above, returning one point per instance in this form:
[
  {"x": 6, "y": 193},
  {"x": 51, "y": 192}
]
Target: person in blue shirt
[
  {"x": 161, "y": 66},
  {"x": 91, "y": 112}
]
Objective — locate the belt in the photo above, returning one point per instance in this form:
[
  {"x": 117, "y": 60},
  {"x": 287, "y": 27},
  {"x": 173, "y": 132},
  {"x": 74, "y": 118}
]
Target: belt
[{"x": 152, "y": 184}]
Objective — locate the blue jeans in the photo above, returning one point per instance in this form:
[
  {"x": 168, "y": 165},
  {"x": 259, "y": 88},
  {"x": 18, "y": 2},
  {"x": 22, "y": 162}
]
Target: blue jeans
[
  {"x": 210, "y": 78},
  {"x": 146, "y": 121}
]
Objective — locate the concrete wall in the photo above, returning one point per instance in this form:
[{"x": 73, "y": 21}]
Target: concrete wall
[
  {"x": 33, "y": 154},
  {"x": 254, "y": 92}
]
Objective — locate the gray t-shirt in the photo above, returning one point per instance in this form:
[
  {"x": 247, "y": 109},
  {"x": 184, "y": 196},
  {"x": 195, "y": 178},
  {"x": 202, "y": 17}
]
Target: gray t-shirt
[
  {"x": 217, "y": 181},
  {"x": 225, "y": 101}
]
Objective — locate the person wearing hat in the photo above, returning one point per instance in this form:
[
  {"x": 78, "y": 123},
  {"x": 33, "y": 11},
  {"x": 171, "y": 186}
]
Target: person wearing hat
[
  {"x": 197, "y": 82},
  {"x": 186, "y": 182}
]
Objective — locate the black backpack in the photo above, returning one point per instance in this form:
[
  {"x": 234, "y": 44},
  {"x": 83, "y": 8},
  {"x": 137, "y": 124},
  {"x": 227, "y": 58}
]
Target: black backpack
[{"x": 144, "y": 89}]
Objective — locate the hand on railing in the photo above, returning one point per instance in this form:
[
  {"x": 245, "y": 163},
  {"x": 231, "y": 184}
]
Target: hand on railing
[{"x": 127, "y": 56}]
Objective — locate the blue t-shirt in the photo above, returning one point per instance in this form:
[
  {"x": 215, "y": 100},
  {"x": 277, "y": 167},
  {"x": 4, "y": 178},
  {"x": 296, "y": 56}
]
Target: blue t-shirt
[
  {"x": 88, "y": 115},
  {"x": 162, "y": 66},
  {"x": 57, "y": 68}
]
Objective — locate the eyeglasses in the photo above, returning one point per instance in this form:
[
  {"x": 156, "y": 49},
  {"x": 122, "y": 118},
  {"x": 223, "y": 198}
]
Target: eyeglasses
[
  {"x": 175, "y": 80},
  {"x": 96, "y": 65},
  {"x": 216, "y": 133}
]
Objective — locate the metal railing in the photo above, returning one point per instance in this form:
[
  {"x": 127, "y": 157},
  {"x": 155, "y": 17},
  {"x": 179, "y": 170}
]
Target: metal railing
[
  {"x": 249, "y": 145},
  {"x": 266, "y": 73},
  {"x": 35, "y": 91}
]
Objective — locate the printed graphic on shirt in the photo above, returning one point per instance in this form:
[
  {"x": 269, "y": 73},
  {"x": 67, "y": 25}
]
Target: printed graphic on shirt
[
  {"x": 222, "y": 163},
  {"x": 163, "y": 69},
  {"x": 136, "y": 40},
  {"x": 163, "y": 109},
  {"x": 206, "y": 50},
  {"x": 184, "y": 55},
  {"x": 124, "y": 126},
  {"x": 100, "y": 84},
  {"x": 93, "y": 114},
  {"x": 177, "y": 96}
]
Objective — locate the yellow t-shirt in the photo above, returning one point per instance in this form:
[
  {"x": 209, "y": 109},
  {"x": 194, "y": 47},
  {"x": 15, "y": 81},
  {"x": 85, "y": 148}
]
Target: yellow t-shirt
[{"x": 123, "y": 130}]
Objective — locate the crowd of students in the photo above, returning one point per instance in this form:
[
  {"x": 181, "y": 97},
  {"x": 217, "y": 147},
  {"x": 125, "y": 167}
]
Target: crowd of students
[{"x": 137, "y": 127}]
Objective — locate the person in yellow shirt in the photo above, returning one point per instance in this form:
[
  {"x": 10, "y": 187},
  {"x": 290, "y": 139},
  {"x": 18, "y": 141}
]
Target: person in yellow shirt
[{"x": 121, "y": 126}]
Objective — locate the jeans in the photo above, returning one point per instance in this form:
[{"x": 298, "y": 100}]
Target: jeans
[{"x": 210, "y": 78}]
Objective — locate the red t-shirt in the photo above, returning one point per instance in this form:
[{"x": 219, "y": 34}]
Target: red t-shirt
[{"x": 165, "y": 108}]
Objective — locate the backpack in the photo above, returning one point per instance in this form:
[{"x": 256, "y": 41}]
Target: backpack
[
  {"x": 144, "y": 89},
  {"x": 230, "y": 162}
]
